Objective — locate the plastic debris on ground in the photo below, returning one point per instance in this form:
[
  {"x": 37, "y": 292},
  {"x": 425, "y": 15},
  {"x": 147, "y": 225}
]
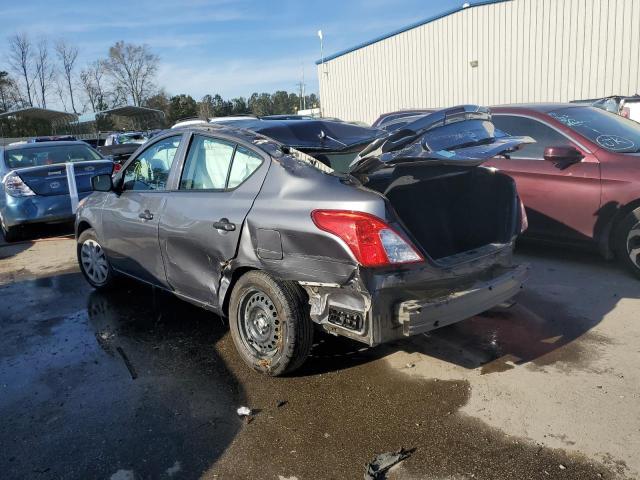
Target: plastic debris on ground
[
  {"x": 244, "y": 412},
  {"x": 377, "y": 469}
]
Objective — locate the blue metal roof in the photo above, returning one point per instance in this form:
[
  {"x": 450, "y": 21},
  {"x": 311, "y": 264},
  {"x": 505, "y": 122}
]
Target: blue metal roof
[{"x": 409, "y": 27}]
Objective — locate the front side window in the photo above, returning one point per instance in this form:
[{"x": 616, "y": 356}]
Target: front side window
[
  {"x": 49, "y": 155},
  {"x": 150, "y": 170},
  {"x": 544, "y": 135}
]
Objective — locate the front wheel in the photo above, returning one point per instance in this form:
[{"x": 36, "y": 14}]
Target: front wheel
[
  {"x": 270, "y": 323},
  {"x": 627, "y": 241},
  {"x": 93, "y": 262}
]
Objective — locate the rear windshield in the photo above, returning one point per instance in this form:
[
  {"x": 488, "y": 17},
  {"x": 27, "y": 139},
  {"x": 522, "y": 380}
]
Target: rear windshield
[
  {"x": 48, "y": 155},
  {"x": 460, "y": 135},
  {"x": 612, "y": 132}
]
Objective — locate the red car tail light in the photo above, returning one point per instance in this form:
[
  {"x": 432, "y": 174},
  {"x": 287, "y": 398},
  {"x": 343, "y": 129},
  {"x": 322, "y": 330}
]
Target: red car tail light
[
  {"x": 371, "y": 240},
  {"x": 117, "y": 167}
]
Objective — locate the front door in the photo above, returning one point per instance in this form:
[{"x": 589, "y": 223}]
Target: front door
[
  {"x": 131, "y": 217},
  {"x": 202, "y": 220},
  {"x": 561, "y": 204}
]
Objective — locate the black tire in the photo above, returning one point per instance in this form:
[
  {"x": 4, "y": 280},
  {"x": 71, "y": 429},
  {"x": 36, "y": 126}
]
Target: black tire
[
  {"x": 284, "y": 311},
  {"x": 627, "y": 242},
  {"x": 10, "y": 234},
  {"x": 99, "y": 282}
]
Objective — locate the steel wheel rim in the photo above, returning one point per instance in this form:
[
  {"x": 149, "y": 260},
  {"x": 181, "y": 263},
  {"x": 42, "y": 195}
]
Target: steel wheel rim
[
  {"x": 633, "y": 244},
  {"x": 259, "y": 325},
  {"x": 94, "y": 261}
]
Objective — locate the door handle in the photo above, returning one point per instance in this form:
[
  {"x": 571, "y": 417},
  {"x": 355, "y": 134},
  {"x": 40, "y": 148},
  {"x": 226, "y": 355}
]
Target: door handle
[
  {"x": 225, "y": 225},
  {"x": 146, "y": 215}
]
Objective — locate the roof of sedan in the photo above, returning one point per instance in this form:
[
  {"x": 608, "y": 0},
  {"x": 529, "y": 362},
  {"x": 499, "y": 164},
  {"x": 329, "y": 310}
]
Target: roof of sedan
[{"x": 537, "y": 107}]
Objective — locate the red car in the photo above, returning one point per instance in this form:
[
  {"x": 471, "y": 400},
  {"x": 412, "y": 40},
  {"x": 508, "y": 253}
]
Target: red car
[{"x": 580, "y": 182}]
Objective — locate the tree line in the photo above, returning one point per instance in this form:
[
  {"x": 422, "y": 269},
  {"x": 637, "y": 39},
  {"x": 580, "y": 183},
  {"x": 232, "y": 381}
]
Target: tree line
[{"x": 39, "y": 73}]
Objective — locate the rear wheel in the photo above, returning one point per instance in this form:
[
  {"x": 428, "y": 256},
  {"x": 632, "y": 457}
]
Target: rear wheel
[
  {"x": 93, "y": 261},
  {"x": 270, "y": 323},
  {"x": 627, "y": 241}
]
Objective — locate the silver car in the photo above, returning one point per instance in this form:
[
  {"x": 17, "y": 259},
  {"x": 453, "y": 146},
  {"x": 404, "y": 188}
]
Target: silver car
[{"x": 263, "y": 228}]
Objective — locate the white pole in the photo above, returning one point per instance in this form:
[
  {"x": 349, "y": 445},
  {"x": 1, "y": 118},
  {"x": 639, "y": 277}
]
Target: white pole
[{"x": 73, "y": 189}]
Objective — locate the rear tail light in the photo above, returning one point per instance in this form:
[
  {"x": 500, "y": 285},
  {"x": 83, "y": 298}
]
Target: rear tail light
[
  {"x": 524, "y": 221},
  {"x": 371, "y": 240},
  {"x": 15, "y": 186},
  {"x": 625, "y": 112},
  {"x": 117, "y": 167}
]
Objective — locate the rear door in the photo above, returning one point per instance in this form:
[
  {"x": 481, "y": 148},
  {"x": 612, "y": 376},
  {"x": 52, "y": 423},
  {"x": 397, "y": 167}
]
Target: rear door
[
  {"x": 202, "y": 220},
  {"x": 561, "y": 204},
  {"x": 130, "y": 218}
]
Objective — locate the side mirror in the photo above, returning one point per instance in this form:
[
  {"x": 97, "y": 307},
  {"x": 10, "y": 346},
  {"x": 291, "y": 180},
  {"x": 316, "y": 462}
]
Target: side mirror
[
  {"x": 102, "y": 183},
  {"x": 563, "y": 156}
]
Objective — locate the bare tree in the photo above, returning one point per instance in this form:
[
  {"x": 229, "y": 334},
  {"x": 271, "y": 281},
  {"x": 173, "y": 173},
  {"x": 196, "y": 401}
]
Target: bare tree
[
  {"x": 67, "y": 55},
  {"x": 62, "y": 93},
  {"x": 91, "y": 79},
  {"x": 44, "y": 70},
  {"x": 20, "y": 62},
  {"x": 132, "y": 69}
]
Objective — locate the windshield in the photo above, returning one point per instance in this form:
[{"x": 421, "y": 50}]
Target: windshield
[
  {"x": 612, "y": 132},
  {"x": 48, "y": 155}
]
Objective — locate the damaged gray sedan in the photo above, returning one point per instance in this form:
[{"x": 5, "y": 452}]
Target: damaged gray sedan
[{"x": 284, "y": 226}]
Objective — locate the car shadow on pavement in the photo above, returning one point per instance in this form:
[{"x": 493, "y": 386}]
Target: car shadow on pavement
[
  {"x": 32, "y": 233},
  {"x": 552, "y": 322},
  {"x": 8, "y": 250}
]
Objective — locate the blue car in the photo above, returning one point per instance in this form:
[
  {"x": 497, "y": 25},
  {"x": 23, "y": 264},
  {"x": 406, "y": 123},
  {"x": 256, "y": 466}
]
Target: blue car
[{"x": 42, "y": 182}]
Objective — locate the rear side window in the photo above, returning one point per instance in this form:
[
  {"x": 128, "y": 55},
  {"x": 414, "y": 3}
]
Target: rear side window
[
  {"x": 150, "y": 170},
  {"x": 245, "y": 162},
  {"x": 544, "y": 135},
  {"x": 214, "y": 164}
]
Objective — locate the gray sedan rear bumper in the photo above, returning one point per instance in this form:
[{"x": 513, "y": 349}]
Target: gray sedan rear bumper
[{"x": 419, "y": 316}]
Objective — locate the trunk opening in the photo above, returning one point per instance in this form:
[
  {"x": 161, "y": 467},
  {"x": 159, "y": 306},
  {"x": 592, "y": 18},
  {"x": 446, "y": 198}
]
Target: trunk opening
[{"x": 448, "y": 209}]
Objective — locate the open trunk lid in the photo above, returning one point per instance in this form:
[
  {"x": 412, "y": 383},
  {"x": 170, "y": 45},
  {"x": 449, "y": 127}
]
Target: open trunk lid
[
  {"x": 52, "y": 179},
  {"x": 462, "y": 135}
]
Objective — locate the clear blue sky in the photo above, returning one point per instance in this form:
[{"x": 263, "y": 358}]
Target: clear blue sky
[{"x": 217, "y": 46}]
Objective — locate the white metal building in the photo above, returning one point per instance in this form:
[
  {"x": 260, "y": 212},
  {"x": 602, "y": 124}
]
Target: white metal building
[{"x": 489, "y": 53}]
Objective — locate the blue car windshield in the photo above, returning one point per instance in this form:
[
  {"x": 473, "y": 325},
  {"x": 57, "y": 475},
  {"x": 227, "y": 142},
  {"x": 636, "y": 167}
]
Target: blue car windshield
[
  {"x": 612, "y": 132},
  {"x": 48, "y": 155}
]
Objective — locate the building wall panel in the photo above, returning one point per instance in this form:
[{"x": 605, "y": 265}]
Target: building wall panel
[{"x": 527, "y": 51}]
